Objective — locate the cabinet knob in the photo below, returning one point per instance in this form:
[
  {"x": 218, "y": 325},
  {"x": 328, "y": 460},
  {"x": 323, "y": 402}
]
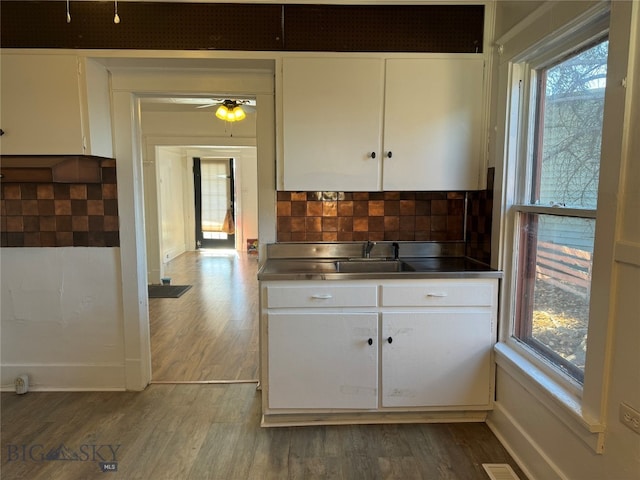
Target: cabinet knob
[
  {"x": 1, "y": 132},
  {"x": 372, "y": 154},
  {"x": 370, "y": 341},
  {"x": 389, "y": 154},
  {"x": 390, "y": 340}
]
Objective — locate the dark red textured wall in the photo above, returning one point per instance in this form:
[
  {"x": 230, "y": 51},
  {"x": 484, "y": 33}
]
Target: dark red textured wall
[{"x": 249, "y": 27}]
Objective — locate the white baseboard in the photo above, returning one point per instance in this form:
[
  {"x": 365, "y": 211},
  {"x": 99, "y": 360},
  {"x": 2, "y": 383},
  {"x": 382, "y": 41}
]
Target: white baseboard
[
  {"x": 172, "y": 253},
  {"x": 65, "y": 377},
  {"x": 527, "y": 454}
]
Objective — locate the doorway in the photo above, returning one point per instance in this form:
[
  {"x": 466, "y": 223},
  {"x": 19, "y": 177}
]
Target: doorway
[
  {"x": 214, "y": 188},
  {"x": 210, "y": 333},
  {"x": 201, "y": 201}
]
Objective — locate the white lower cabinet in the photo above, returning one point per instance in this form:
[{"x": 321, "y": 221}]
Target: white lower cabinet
[
  {"x": 323, "y": 360},
  {"x": 378, "y": 347},
  {"x": 436, "y": 359}
]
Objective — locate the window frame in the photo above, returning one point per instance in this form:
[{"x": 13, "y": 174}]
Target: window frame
[
  {"x": 578, "y": 406},
  {"x": 528, "y": 131},
  {"x": 525, "y": 206},
  {"x": 564, "y": 367}
]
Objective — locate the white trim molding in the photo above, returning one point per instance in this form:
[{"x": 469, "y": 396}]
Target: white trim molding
[
  {"x": 558, "y": 400},
  {"x": 627, "y": 252}
]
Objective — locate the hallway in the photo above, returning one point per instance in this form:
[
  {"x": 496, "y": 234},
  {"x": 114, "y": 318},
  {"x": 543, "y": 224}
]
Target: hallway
[{"x": 210, "y": 333}]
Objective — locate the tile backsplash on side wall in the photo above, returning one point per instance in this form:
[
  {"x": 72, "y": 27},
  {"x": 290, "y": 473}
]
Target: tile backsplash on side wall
[
  {"x": 61, "y": 214},
  {"x": 389, "y": 216},
  {"x": 479, "y": 216}
]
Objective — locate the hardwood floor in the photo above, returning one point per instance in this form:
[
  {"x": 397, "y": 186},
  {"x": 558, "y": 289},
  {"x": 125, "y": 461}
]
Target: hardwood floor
[
  {"x": 197, "y": 432},
  {"x": 210, "y": 332}
]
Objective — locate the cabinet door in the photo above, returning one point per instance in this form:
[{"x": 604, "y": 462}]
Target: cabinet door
[
  {"x": 332, "y": 119},
  {"x": 436, "y": 359},
  {"x": 41, "y": 107},
  {"x": 433, "y": 124},
  {"x": 323, "y": 360}
]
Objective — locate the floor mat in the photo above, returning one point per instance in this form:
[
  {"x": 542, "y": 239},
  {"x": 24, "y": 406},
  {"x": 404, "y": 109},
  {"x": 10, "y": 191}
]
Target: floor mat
[{"x": 167, "y": 291}]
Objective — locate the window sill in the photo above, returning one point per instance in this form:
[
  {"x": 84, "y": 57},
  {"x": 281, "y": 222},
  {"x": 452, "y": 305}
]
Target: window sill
[{"x": 553, "y": 395}]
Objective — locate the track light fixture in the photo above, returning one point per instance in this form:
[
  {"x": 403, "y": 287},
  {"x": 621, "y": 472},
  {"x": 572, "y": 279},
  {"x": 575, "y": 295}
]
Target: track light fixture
[{"x": 116, "y": 17}]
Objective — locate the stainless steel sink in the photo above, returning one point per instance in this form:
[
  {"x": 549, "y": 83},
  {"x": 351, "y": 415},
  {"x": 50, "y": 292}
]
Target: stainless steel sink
[{"x": 372, "y": 266}]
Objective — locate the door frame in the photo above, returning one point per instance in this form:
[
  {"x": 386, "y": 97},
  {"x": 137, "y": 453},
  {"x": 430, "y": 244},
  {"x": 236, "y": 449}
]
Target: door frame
[
  {"x": 233, "y": 201},
  {"x": 128, "y": 85}
]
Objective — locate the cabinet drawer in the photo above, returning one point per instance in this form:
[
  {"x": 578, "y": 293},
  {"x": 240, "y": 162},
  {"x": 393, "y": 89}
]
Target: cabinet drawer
[
  {"x": 439, "y": 293},
  {"x": 322, "y": 296}
]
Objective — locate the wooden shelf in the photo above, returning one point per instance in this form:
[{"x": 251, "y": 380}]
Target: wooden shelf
[{"x": 50, "y": 169}]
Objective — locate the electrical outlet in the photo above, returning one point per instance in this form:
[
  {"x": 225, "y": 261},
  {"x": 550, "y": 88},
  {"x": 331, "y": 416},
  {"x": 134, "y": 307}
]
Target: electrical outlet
[{"x": 630, "y": 417}]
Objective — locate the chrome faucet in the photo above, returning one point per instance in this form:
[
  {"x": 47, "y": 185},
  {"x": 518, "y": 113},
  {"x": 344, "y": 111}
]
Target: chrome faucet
[{"x": 367, "y": 248}]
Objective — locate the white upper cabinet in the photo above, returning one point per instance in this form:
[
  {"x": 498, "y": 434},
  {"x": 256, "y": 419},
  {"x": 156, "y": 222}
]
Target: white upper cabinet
[
  {"x": 332, "y": 122},
  {"x": 433, "y": 124},
  {"x": 54, "y": 105},
  {"x": 368, "y": 124}
]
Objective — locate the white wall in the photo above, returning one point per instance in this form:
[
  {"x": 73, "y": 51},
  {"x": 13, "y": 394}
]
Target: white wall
[
  {"x": 247, "y": 189},
  {"x": 151, "y": 216},
  {"x": 534, "y": 427},
  {"x": 172, "y": 172},
  {"x": 62, "y": 319},
  {"x": 510, "y": 12},
  {"x": 166, "y": 183},
  {"x": 196, "y": 123}
]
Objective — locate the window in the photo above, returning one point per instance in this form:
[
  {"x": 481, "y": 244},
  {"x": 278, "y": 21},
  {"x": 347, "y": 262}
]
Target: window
[{"x": 555, "y": 214}]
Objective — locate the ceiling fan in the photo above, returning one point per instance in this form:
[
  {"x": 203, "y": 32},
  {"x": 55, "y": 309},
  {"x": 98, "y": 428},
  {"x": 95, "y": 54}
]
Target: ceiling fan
[{"x": 232, "y": 110}]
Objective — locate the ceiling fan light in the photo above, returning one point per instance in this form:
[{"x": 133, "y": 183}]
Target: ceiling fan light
[
  {"x": 238, "y": 114},
  {"x": 222, "y": 112},
  {"x": 230, "y": 111}
]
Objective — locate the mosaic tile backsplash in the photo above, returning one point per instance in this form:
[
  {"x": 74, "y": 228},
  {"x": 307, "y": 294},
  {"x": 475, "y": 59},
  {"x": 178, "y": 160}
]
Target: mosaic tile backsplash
[
  {"x": 388, "y": 216},
  {"x": 61, "y": 214},
  {"x": 375, "y": 216}
]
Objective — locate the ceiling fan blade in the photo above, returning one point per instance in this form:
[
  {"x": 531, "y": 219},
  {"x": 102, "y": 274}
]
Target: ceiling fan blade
[
  {"x": 246, "y": 108},
  {"x": 209, "y": 105}
]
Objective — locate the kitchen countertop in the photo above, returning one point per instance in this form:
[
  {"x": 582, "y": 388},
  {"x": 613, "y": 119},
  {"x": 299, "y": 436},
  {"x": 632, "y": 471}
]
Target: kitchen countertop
[{"x": 338, "y": 262}]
